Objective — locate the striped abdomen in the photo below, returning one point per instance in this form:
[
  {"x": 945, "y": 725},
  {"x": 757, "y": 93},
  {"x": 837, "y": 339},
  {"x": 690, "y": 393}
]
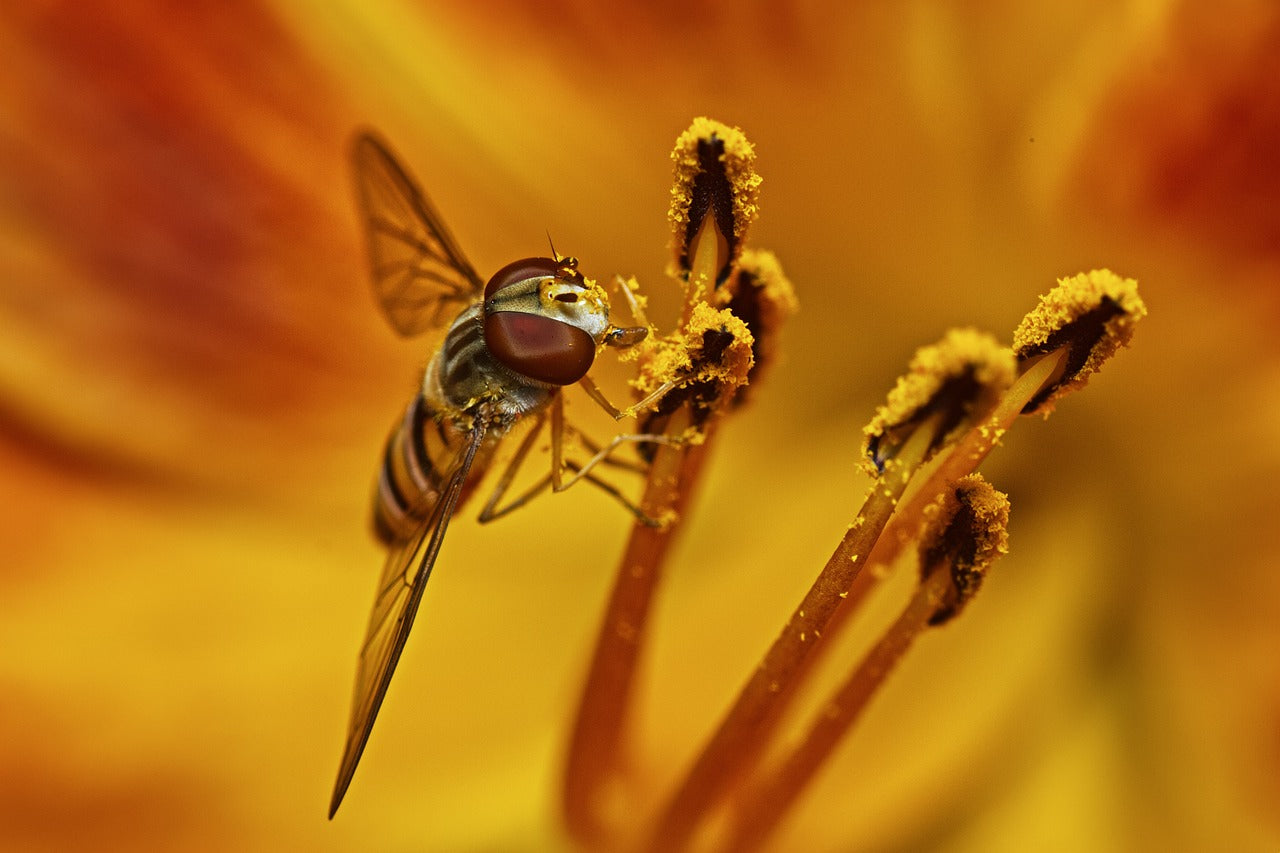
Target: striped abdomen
[
  {"x": 435, "y": 426},
  {"x": 414, "y": 465}
]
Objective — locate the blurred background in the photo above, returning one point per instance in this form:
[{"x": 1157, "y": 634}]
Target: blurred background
[{"x": 195, "y": 386}]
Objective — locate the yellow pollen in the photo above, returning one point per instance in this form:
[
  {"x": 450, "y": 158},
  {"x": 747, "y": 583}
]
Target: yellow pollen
[
  {"x": 1091, "y": 315},
  {"x": 933, "y": 370},
  {"x": 738, "y": 163}
]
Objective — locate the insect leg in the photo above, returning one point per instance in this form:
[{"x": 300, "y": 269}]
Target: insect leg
[
  {"x": 553, "y": 479},
  {"x": 491, "y": 509},
  {"x": 557, "y": 441},
  {"x": 611, "y": 490},
  {"x": 583, "y": 471},
  {"x": 602, "y": 455},
  {"x": 633, "y": 304},
  {"x": 594, "y": 392},
  {"x": 594, "y": 447}
]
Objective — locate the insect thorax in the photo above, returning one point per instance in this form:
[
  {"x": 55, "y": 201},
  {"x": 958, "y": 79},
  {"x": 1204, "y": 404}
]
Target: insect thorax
[{"x": 463, "y": 374}]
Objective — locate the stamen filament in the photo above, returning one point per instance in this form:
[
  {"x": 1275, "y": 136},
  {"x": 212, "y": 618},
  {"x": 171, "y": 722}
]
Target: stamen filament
[
  {"x": 595, "y": 749},
  {"x": 711, "y": 251},
  {"x": 744, "y": 731},
  {"x": 963, "y": 459},
  {"x": 967, "y": 533},
  {"x": 596, "y": 745},
  {"x": 761, "y": 809}
]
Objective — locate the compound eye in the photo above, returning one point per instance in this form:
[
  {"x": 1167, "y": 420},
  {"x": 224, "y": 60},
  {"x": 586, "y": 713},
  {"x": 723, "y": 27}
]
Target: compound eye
[
  {"x": 539, "y": 347},
  {"x": 522, "y": 270}
]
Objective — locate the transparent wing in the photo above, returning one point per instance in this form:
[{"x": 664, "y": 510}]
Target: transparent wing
[
  {"x": 399, "y": 592},
  {"x": 420, "y": 276}
]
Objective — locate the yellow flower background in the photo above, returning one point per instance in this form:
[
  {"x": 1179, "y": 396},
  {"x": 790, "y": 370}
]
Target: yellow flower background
[{"x": 195, "y": 384}]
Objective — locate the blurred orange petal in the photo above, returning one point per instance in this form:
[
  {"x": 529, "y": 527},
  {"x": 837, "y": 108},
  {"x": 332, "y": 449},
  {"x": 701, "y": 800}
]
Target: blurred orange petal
[{"x": 194, "y": 385}]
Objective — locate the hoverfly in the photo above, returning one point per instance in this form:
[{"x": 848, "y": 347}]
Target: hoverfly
[{"x": 513, "y": 342}]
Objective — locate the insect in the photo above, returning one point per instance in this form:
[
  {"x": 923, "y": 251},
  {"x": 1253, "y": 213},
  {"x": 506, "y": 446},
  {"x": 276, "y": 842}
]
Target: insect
[{"x": 511, "y": 344}]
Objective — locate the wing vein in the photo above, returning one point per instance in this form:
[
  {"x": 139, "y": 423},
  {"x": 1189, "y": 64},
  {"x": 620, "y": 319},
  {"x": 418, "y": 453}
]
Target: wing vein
[
  {"x": 420, "y": 276},
  {"x": 378, "y": 659}
]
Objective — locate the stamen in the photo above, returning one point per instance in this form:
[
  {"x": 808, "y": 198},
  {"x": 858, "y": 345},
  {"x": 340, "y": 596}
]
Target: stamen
[
  {"x": 1091, "y": 315},
  {"x": 711, "y": 358},
  {"x": 1077, "y": 321},
  {"x": 764, "y": 298},
  {"x": 959, "y": 378},
  {"x": 968, "y": 533},
  {"x": 744, "y": 731},
  {"x": 705, "y": 364},
  {"x": 715, "y": 193}
]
